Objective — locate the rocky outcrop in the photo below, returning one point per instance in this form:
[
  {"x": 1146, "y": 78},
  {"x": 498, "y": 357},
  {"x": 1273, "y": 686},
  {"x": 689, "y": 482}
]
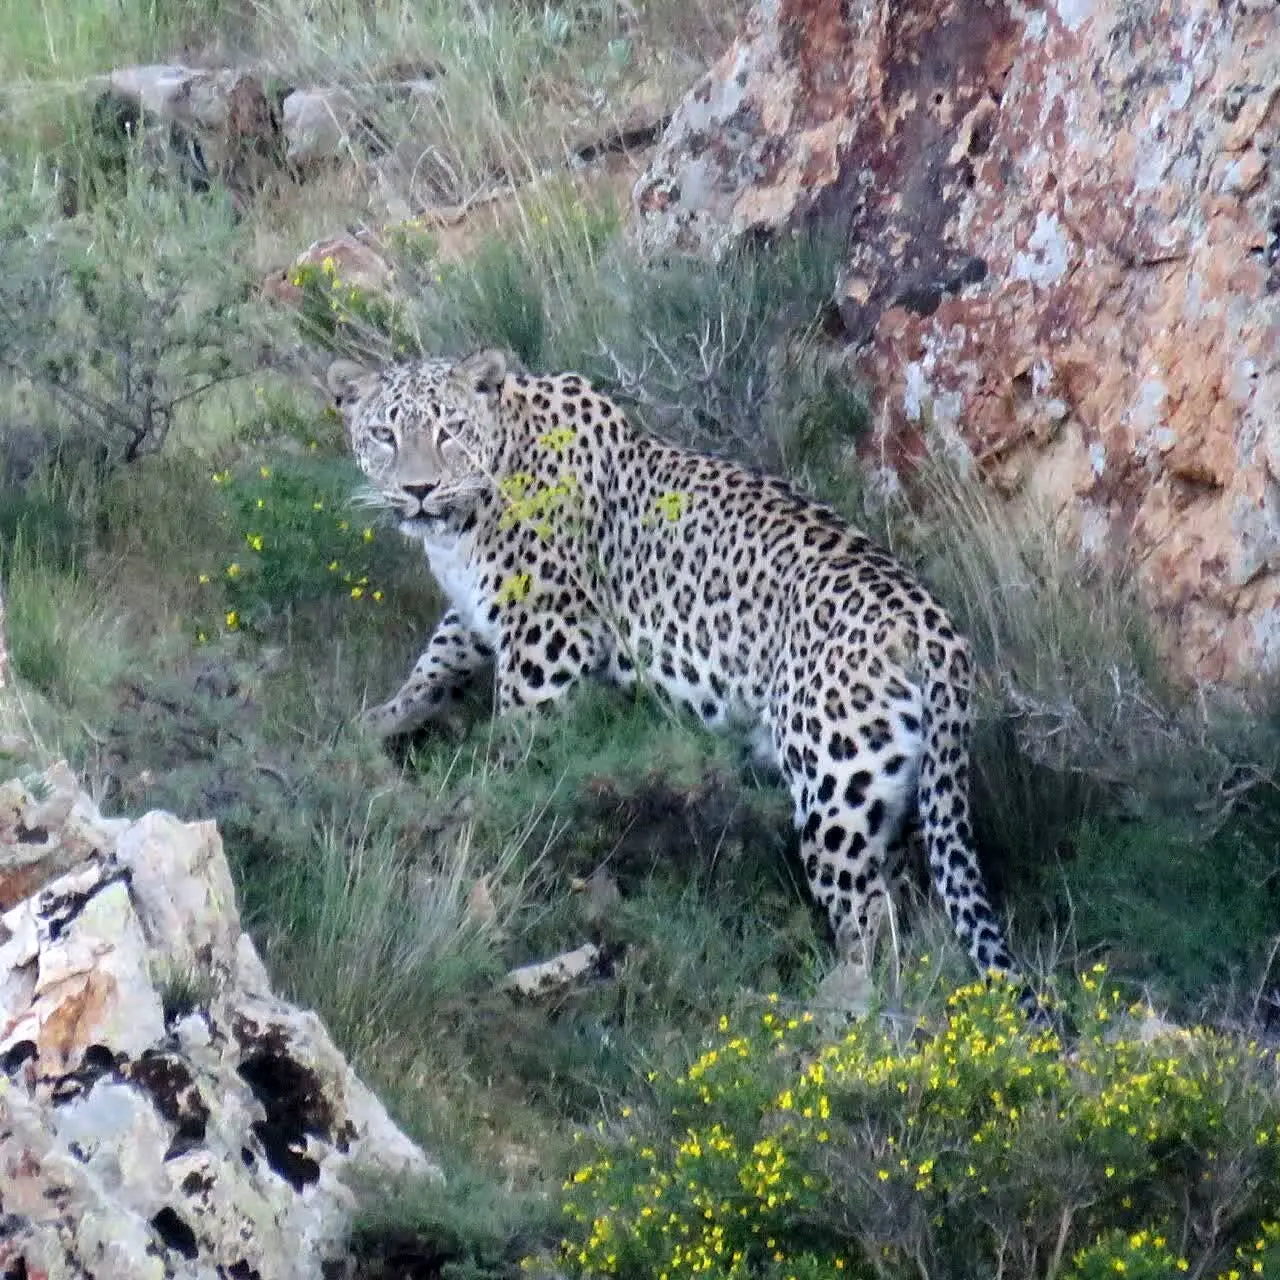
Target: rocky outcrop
[
  {"x": 198, "y": 125},
  {"x": 202, "y": 125},
  {"x": 162, "y": 1113},
  {"x": 1064, "y": 250}
]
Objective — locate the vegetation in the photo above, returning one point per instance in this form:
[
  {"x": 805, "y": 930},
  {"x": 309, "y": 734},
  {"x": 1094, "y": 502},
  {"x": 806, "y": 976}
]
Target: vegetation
[
  {"x": 199, "y": 604},
  {"x": 970, "y": 1144}
]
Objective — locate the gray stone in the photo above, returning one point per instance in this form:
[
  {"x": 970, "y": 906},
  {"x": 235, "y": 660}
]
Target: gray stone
[{"x": 215, "y": 1140}]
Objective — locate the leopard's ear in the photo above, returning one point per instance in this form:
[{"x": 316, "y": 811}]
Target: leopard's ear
[
  {"x": 342, "y": 378},
  {"x": 485, "y": 371}
]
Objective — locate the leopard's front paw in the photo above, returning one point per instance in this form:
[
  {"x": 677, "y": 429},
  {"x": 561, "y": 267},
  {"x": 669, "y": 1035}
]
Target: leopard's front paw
[{"x": 383, "y": 721}]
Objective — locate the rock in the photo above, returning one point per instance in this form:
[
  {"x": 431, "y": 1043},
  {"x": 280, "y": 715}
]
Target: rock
[
  {"x": 355, "y": 260},
  {"x": 46, "y": 835},
  {"x": 318, "y": 124},
  {"x": 847, "y": 990},
  {"x": 636, "y": 124},
  {"x": 1064, "y": 252},
  {"x": 162, "y": 1112},
  {"x": 560, "y": 971},
  {"x": 326, "y": 123},
  {"x": 203, "y": 124}
]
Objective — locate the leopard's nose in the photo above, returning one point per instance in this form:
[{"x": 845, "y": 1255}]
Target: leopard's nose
[{"x": 419, "y": 492}]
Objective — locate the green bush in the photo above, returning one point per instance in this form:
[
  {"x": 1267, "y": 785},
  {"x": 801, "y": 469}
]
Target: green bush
[
  {"x": 497, "y": 293},
  {"x": 966, "y": 1145},
  {"x": 126, "y": 320},
  {"x": 297, "y": 539}
]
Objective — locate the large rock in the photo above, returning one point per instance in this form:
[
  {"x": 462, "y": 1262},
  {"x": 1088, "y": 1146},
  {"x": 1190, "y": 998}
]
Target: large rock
[
  {"x": 162, "y": 1113},
  {"x": 1064, "y": 250},
  {"x": 203, "y": 124},
  {"x": 318, "y": 124}
]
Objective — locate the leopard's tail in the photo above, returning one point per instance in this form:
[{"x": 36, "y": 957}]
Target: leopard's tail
[{"x": 943, "y": 805}]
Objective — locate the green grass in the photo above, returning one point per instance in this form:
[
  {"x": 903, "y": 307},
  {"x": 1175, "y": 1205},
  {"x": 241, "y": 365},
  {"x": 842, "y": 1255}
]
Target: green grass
[
  {"x": 514, "y": 87},
  {"x": 64, "y": 40},
  {"x": 379, "y": 933},
  {"x": 64, "y": 637},
  {"x": 1195, "y": 919},
  {"x": 472, "y": 1228}
]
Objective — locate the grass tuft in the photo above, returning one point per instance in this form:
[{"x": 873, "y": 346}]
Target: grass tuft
[{"x": 64, "y": 639}]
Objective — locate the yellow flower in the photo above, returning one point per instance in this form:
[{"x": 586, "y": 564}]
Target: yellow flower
[
  {"x": 233, "y": 570},
  {"x": 377, "y": 595},
  {"x": 203, "y": 579},
  {"x": 515, "y": 588},
  {"x": 254, "y": 540},
  {"x": 233, "y": 621},
  {"x": 672, "y": 504},
  {"x": 265, "y": 472},
  {"x": 261, "y": 504},
  {"x": 367, "y": 534},
  {"x": 558, "y": 440},
  {"x": 357, "y": 592},
  {"x": 334, "y": 566}
]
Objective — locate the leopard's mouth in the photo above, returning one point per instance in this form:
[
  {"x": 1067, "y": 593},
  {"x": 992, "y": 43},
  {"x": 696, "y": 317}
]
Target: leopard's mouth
[{"x": 415, "y": 499}]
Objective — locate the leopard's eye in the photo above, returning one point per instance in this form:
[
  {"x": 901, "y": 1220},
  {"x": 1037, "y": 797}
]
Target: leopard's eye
[{"x": 383, "y": 435}]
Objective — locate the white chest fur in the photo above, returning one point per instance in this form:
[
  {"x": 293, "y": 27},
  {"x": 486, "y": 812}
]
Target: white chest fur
[{"x": 458, "y": 576}]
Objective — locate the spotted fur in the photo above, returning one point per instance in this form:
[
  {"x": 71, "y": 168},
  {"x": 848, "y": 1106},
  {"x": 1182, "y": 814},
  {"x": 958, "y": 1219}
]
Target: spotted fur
[{"x": 570, "y": 544}]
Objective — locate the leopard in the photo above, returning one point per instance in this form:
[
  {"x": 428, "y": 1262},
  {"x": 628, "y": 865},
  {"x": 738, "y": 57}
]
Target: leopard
[{"x": 571, "y": 544}]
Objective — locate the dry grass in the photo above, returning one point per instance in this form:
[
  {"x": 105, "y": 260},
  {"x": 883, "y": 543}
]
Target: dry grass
[{"x": 1069, "y": 658}]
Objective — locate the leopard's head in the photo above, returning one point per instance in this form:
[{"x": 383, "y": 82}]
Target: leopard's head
[{"x": 424, "y": 434}]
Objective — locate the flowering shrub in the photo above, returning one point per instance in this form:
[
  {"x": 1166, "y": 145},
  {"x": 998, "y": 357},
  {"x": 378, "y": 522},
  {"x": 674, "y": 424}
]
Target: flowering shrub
[
  {"x": 1142, "y": 1255},
  {"x": 338, "y": 314},
  {"x": 296, "y": 539},
  {"x": 971, "y": 1145}
]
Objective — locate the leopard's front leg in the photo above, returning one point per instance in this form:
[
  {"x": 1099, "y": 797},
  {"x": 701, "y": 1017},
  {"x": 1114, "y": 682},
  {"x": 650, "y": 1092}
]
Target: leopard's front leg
[
  {"x": 543, "y": 653},
  {"x": 453, "y": 656}
]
